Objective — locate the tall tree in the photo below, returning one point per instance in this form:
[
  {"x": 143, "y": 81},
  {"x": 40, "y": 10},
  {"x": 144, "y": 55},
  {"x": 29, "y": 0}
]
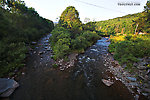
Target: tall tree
[
  {"x": 144, "y": 20},
  {"x": 70, "y": 19}
]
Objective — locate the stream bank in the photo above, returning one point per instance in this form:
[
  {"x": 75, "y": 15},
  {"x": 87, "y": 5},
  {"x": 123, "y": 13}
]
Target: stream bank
[{"x": 41, "y": 81}]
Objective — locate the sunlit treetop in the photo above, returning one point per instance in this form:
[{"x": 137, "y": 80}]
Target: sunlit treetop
[{"x": 70, "y": 19}]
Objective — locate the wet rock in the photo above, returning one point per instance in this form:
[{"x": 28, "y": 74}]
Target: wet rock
[
  {"x": 144, "y": 63},
  {"x": 7, "y": 87},
  {"x": 141, "y": 67},
  {"x": 124, "y": 65},
  {"x": 136, "y": 97},
  {"x": 41, "y": 52},
  {"x": 107, "y": 82},
  {"x": 135, "y": 64},
  {"x": 140, "y": 76},
  {"x": 48, "y": 49},
  {"x": 148, "y": 71},
  {"x": 33, "y": 43},
  {"x": 34, "y": 52},
  {"x": 46, "y": 44},
  {"x": 131, "y": 78},
  {"x": 23, "y": 73},
  {"x": 47, "y": 41},
  {"x": 133, "y": 84},
  {"x": 146, "y": 85},
  {"x": 61, "y": 68},
  {"x": 146, "y": 77},
  {"x": 145, "y": 94},
  {"x": 94, "y": 50}
]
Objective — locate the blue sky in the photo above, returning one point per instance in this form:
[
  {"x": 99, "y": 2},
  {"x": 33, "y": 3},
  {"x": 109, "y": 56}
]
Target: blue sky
[{"x": 93, "y": 9}]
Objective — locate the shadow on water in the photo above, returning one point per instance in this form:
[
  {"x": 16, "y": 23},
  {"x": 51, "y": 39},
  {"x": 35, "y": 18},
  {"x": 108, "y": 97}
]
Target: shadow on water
[{"x": 82, "y": 82}]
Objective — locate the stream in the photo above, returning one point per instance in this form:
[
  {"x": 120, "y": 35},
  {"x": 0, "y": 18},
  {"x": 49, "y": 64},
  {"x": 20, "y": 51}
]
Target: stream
[{"x": 41, "y": 81}]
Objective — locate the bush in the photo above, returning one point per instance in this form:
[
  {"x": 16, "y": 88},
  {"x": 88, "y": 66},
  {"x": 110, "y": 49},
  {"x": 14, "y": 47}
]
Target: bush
[
  {"x": 61, "y": 48},
  {"x": 63, "y": 43},
  {"x": 80, "y": 43},
  {"x": 16, "y": 29},
  {"x": 60, "y": 42},
  {"x": 127, "y": 50}
]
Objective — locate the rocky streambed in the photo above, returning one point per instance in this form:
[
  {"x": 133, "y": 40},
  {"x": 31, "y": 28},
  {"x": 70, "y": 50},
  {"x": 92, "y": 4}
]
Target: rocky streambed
[
  {"x": 93, "y": 76},
  {"x": 137, "y": 79}
]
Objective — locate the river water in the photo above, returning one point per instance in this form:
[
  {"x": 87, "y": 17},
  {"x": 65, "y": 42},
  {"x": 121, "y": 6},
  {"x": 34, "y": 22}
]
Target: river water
[{"x": 41, "y": 81}]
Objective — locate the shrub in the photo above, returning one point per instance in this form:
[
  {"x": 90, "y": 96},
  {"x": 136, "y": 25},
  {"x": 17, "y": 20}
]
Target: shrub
[{"x": 127, "y": 50}]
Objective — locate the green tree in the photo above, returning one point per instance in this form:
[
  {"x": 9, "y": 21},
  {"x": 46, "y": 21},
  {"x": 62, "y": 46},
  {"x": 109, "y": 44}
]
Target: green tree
[
  {"x": 144, "y": 21},
  {"x": 70, "y": 19},
  {"x": 19, "y": 25}
]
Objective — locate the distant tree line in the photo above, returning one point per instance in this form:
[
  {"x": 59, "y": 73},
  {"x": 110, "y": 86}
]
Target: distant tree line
[{"x": 123, "y": 25}]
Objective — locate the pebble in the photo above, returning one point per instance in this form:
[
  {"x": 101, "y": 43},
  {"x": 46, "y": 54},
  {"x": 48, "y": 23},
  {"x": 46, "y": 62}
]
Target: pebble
[
  {"x": 146, "y": 90},
  {"x": 33, "y": 42},
  {"x": 61, "y": 69},
  {"x": 107, "y": 82},
  {"x": 131, "y": 78},
  {"x": 148, "y": 71},
  {"x": 136, "y": 97},
  {"x": 145, "y": 94}
]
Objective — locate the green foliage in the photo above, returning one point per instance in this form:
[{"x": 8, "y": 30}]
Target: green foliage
[
  {"x": 80, "y": 43},
  {"x": 69, "y": 19},
  {"x": 122, "y": 25},
  {"x": 130, "y": 48},
  {"x": 85, "y": 40},
  {"x": 89, "y": 26},
  {"x": 63, "y": 43},
  {"x": 61, "y": 48},
  {"x": 68, "y": 36},
  {"x": 19, "y": 25},
  {"x": 55, "y": 65},
  {"x": 144, "y": 21},
  {"x": 60, "y": 41},
  {"x": 59, "y": 33}
]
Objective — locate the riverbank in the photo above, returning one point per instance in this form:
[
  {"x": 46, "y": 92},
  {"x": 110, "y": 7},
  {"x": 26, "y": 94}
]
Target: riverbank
[
  {"x": 132, "y": 52},
  {"x": 133, "y": 82},
  {"x": 42, "y": 81},
  {"x": 130, "y": 80}
]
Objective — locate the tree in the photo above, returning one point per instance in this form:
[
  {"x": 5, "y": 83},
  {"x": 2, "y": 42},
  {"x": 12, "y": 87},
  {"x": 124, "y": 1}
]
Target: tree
[
  {"x": 144, "y": 20},
  {"x": 19, "y": 25},
  {"x": 70, "y": 19}
]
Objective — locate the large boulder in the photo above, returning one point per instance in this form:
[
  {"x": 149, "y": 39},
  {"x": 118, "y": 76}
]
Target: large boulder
[{"x": 7, "y": 87}]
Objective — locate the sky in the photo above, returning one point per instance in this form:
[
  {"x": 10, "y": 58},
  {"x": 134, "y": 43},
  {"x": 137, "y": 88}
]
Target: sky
[{"x": 94, "y": 9}]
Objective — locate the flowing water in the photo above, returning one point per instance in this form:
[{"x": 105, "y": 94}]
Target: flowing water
[{"x": 82, "y": 82}]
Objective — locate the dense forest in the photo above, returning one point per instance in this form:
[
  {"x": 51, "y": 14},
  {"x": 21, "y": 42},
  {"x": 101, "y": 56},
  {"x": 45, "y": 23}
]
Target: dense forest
[{"x": 19, "y": 26}]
